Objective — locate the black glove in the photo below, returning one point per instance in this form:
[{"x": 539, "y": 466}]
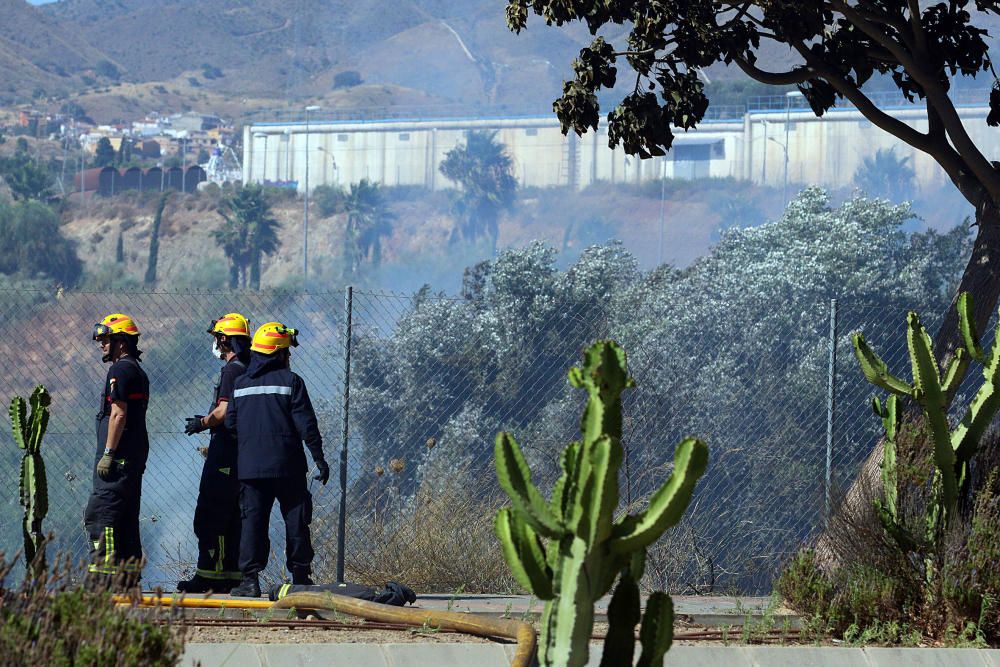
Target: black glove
[
  {"x": 194, "y": 425},
  {"x": 324, "y": 472}
]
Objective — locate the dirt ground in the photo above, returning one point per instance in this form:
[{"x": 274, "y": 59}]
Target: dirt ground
[{"x": 334, "y": 635}]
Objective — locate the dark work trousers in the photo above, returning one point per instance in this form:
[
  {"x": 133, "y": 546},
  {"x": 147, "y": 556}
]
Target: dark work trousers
[
  {"x": 257, "y": 496},
  {"x": 217, "y": 523},
  {"x": 112, "y": 521}
]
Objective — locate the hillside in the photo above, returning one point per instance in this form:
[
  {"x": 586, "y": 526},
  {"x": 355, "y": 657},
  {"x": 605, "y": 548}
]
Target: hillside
[
  {"x": 455, "y": 52},
  {"x": 38, "y": 51},
  {"x": 418, "y": 250}
]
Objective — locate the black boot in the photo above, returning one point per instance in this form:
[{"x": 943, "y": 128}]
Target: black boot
[
  {"x": 200, "y": 584},
  {"x": 248, "y": 588},
  {"x": 300, "y": 577}
]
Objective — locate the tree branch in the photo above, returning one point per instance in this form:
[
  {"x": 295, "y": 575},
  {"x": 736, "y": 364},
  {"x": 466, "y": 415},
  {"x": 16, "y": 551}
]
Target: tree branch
[
  {"x": 937, "y": 147},
  {"x": 971, "y": 157},
  {"x": 790, "y": 78},
  {"x": 919, "y": 36}
]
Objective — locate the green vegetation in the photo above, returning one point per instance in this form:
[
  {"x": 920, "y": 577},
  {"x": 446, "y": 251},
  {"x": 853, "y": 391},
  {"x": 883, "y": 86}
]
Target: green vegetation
[
  {"x": 484, "y": 171},
  {"x": 32, "y": 245},
  {"x": 28, "y": 431},
  {"x": 249, "y": 233},
  {"x": 462, "y": 369},
  {"x": 585, "y": 547},
  {"x": 104, "y": 155},
  {"x": 886, "y": 175},
  {"x": 26, "y": 178},
  {"x": 347, "y": 79},
  {"x": 368, "y": 221},
  {"x": 923, "y": 560},
  {"x": 154, "y": 240},
  {"x": 107, "y": 69},
  {"x": 48, "y": 621}
]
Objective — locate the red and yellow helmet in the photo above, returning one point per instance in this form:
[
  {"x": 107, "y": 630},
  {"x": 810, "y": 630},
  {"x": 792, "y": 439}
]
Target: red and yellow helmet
[
  {"x": 231, "y": 324},
  {"x": 274, "y": 336},
  {"x": 116, "y": 323}
]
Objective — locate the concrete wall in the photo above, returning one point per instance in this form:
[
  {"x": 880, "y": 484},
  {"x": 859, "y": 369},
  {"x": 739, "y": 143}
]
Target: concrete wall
[{"x": 822, "y": 151}]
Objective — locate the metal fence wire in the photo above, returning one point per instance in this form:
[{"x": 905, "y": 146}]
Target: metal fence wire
[{"x": 432, "y": 380}]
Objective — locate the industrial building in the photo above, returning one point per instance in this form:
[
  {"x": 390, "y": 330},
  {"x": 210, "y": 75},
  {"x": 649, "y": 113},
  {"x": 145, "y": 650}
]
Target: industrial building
[{"x": 771, "y": 141}]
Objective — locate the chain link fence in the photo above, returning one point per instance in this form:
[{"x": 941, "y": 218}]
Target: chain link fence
[{"x": 432, "y": 380}]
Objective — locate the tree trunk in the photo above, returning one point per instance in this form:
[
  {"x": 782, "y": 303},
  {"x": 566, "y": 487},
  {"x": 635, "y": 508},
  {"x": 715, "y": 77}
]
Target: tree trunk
[
  {"x": 982, "y": 280},
  {"x": 255, "y": 271}
]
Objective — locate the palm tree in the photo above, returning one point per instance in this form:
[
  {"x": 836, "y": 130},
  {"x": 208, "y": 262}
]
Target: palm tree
[
  {"x": 484, "y": 171},
  {"x": 248, "y": 233},
  {"x": 886, "y": 176},
  {"x": 368, "y": 220}
]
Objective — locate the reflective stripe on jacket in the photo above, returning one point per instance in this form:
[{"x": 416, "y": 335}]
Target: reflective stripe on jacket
[{"x": 272, "y": 416}]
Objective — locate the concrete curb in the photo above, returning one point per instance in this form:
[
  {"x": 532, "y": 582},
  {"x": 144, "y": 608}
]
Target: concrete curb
[{"x": 497, "y": 655}]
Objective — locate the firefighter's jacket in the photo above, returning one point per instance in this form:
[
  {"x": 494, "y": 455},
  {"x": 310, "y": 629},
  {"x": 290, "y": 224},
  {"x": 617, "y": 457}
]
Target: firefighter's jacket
[{"x": 272, "y": 416}]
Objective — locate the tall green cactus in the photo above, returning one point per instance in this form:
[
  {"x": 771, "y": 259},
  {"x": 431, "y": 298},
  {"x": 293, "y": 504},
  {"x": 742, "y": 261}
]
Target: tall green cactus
[
  {"x": 953, "y": 448},
  {"x": 569, "y": 550},
  {"x": 28, "y": 432}
]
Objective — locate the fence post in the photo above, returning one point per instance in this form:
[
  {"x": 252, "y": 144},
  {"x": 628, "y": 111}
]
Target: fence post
[
  {"x": 342, "y": 522},
  {"x": 831, "y": 406}
]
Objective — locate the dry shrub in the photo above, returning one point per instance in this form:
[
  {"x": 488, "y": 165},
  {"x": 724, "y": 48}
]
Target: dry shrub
[
  {"x": 438, "y": 541},
  {"x": 950, "y": 591},
  {"x": 52, "y": 621}
]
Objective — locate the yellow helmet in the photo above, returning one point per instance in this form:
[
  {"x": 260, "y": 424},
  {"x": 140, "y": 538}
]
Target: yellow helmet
[
  {"x": 274, "y": 336},
  {"x": 231, "y": 324},
  {"x": 116, "y": 323}
]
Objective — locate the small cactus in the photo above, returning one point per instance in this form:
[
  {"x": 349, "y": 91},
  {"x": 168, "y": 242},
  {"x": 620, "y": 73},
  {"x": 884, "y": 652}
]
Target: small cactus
[
  {"x": 397, "y": 465},
  {"x": 953, "y": 448},
  {"x": 569, "y": 551},
  {"x": 33, "y": 489}
]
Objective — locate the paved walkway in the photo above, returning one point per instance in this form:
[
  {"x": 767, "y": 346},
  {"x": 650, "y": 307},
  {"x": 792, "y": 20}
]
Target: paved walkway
[{"x": 495, "y": 655}]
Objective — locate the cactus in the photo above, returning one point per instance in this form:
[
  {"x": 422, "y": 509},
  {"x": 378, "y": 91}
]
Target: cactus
[
  {"x": 569, "y": 550},
  {"x": 953, "y": 449},
  {"x": 28, "y": 432}
]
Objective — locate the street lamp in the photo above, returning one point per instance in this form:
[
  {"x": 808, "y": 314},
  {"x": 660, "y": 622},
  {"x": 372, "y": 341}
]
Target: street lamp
[
  {"x": 788, "y": 117},
  {"x": 288, "y": 153},
  {"x": 663, "y": 196},
  {"x": 263, "y": 166},
  {"x": 305, "y": 221}
]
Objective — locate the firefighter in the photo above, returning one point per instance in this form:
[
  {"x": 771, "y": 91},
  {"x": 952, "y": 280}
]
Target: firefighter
[
  {"x": 272, "y": 416},
  {"x": 217, "y": 513},
  {"x": 112, "y": 515}
]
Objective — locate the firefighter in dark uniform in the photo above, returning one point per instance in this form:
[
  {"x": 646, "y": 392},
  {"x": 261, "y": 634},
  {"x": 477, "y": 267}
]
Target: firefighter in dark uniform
[
  {"x": 217, "y": 514},
  {"x": 112, "y": 514},
  {"x": 272, "y": 416}
]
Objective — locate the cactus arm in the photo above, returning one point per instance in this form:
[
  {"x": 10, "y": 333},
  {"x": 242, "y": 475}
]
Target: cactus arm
[
  {"x": 39, "y": 422},
  {"x": 600, "y": 497},
  {"x": 624, "y": 613},
  {"x": 515, "y": 479},
  {"x": 875, "y": 370},
  {"x": 657, "y": 631},
  {"x": 566, "y": 636},
  {"x": 977, "y": 419},
  {"x": 957, "y": 369},
  {"x": 927, "y": 383},
  {"x": 900, "y": 535},
  {"x": 18, "y": 421},
  {"x": 890, "y": 420},
  {"x": 524, "y": 554},
  {"x": 970, "y": 337},
  {"x": 667, "y": 505},
  {"x": 604, "y": 375}
]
